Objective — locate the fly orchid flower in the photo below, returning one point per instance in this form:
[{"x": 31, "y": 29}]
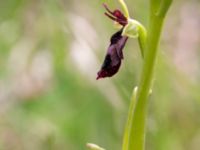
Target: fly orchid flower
[
  {"x": 114, "y": 54},
  {"x": 129, "y": 28}
]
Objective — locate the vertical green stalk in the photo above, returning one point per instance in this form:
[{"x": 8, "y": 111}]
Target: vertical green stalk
[
  {"x": 134, "y": 135},
  {"x": 137, "y": 132}
]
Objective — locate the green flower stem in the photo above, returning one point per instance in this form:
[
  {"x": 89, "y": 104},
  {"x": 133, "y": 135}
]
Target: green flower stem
[
  {"x": 137, "y": 133},
  {"x": 164, "y": 6},
  {"x": 154, "y": 6},
  {"x": 134, "y": 135}
]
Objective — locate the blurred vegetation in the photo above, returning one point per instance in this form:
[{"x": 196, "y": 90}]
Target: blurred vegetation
[{"x": 50, "y": 52}]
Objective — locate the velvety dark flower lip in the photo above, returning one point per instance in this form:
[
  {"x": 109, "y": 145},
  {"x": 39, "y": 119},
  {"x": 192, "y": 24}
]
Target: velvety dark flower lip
[{"x": 113, "y": 57}]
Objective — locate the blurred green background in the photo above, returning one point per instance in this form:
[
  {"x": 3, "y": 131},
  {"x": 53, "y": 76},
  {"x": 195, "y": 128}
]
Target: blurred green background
[{"x": 50, "y": 52}]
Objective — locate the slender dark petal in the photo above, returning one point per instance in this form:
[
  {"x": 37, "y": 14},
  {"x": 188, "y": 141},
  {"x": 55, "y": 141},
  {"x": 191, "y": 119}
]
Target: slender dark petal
[{"x": 116, "y": 15}]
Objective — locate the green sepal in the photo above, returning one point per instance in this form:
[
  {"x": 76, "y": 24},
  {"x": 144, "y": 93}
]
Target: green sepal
[{"x": 135, "y": 29}]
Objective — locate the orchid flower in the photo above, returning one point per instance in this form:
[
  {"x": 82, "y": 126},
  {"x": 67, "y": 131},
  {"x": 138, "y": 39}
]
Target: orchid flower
[{"x": 129, "y": 28}]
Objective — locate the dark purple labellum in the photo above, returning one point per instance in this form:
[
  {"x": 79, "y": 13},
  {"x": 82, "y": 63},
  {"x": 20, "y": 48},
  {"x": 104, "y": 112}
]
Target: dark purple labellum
[{"x": 113, "y": 57}]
